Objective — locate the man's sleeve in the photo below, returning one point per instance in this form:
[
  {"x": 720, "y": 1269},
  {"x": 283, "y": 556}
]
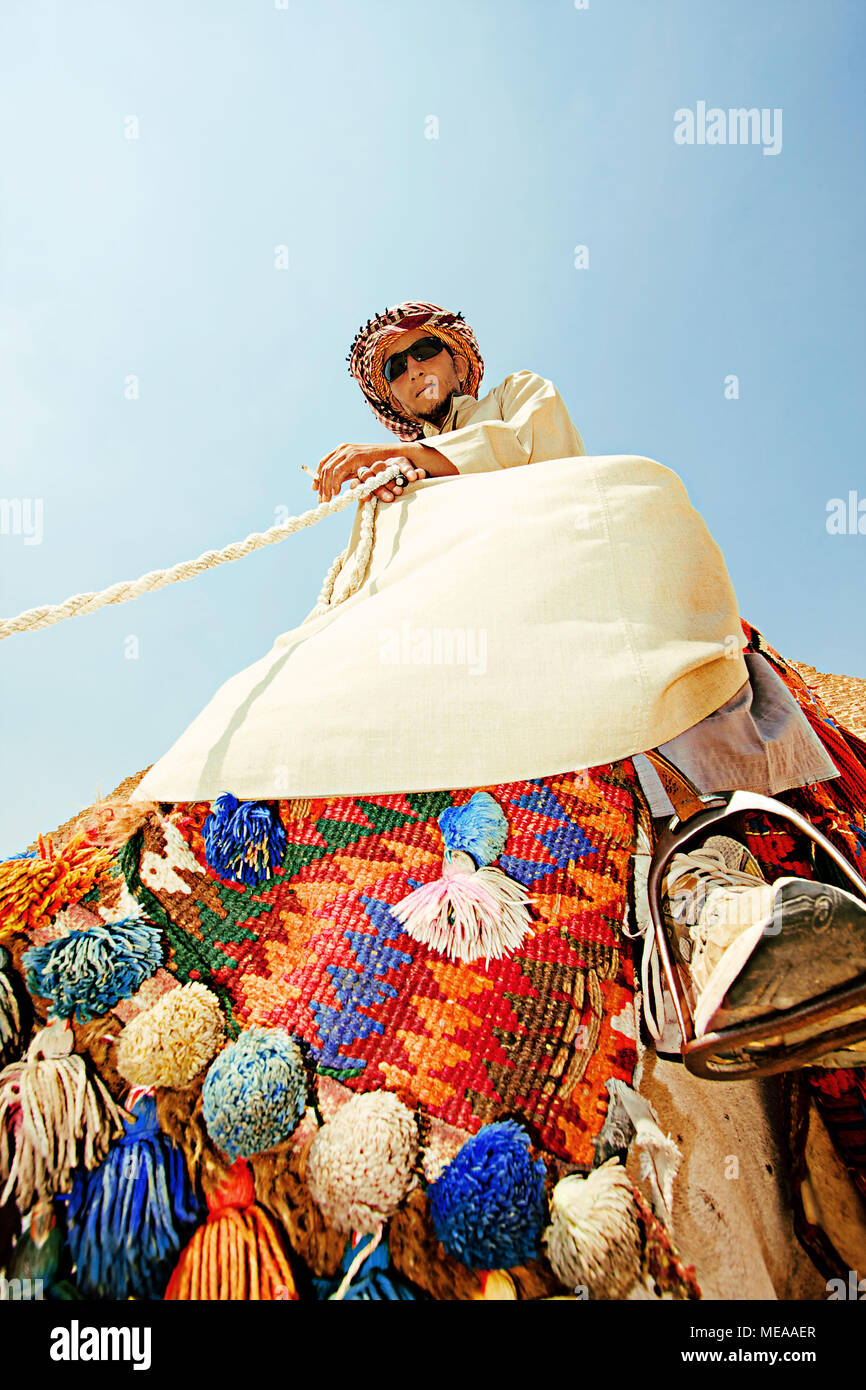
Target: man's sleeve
[{"x": 535, "y": 426}]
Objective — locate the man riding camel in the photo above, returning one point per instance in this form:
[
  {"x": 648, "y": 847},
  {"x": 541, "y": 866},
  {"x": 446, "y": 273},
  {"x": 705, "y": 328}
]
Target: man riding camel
[{"x": 749, "y": 946}]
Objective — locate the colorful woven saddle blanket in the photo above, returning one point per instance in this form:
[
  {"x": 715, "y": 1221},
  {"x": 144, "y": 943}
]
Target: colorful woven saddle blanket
[
  {"x": 518, "y": 1053},
  {"x": 314, "y": 949}
]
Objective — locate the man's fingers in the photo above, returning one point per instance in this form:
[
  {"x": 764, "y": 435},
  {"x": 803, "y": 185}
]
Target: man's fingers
[
  {"x": 320, "y": 468},
  {"x": 342, "y": 465},
  {"x": 325, "y": 478},
  {"x": 392, "y": 491},
  {"x": 335, "y": 475},
  {"x": 323, "y": 463}
]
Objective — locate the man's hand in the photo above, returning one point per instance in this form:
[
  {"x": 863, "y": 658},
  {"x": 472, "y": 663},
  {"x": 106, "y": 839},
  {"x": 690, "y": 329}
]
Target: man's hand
[
  {"x": 351, "y": 460},
  {"x": 393, "y": 490},
  {"x": 347, "y": 461}
]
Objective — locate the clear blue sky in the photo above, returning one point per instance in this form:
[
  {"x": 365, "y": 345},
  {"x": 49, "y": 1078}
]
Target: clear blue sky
[{"x": 304, "y": 126}]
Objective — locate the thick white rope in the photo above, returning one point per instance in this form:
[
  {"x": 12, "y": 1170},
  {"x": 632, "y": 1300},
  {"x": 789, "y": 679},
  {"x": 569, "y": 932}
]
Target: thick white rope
[
  {"x": 362, "y": 559},
  {"x": 125, "y": 590}
]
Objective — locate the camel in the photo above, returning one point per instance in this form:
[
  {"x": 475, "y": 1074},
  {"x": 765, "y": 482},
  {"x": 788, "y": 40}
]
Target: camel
[{"x": 713, "y": 1161}]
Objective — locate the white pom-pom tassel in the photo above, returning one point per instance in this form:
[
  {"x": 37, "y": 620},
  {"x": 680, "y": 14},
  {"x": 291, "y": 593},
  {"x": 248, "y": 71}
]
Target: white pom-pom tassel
[
  {"x": 593, "y": 1241},
  {"x": 55, "y": 1116},
  {"x": 469, "y": 913}
]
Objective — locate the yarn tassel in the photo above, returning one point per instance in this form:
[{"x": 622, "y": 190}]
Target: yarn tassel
[
  {"x": 35, "y": 886},
  {"x": 128, "y": 1219},
  {"x": 468, "y": 915},
  {"x": 86, "y": 973},
  {"x": 237, "y": 1254},
  {"x": 594, "y": 1241},
  {"x": 53, "y": 1117},
  {"x": 488, "y": 1205},
  {"x": 243, "y": 841},
  {"x": 474, "y": 910},
  {"x": 172, "y": 1041}
]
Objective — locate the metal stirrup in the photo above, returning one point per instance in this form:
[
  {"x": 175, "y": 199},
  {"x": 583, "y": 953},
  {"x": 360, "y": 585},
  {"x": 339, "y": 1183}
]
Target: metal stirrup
[{"x": 694, "y": 815}]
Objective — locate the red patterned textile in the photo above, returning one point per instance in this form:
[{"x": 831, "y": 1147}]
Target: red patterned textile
[{"x": 315, "y": 949}]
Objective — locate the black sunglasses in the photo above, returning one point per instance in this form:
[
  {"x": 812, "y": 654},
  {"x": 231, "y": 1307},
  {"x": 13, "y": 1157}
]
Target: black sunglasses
[{"x": 425, "y": 348}]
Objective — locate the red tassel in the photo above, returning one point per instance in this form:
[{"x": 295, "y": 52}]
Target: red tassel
[{"x": 238, "y": 1254}]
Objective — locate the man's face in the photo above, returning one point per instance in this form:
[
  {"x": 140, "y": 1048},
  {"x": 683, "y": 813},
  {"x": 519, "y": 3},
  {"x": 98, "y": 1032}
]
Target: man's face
[{"x": 425, "y": 389}]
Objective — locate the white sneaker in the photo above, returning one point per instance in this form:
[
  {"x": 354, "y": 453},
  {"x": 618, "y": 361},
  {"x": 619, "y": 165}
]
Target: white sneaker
[{"x": 720, "y": 911}]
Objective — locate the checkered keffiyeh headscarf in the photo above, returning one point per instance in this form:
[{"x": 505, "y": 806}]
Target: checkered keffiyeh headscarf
[{"x": 368, "y": 352}]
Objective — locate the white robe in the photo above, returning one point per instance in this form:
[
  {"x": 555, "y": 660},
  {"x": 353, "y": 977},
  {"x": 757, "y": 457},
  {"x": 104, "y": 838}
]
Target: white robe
[{"x": 513, "y": 623}]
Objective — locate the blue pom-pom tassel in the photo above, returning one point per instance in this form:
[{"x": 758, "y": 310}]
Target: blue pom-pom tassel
[
  {"x": 128, "y": 1220},
  {"x": 479, "y": 828},
  {"x": 488, "y": 1206},
  {"x": 87, "y": 972},
  {"x": 243, "y": 840},
  {"x": 254, "y": 1093}
]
